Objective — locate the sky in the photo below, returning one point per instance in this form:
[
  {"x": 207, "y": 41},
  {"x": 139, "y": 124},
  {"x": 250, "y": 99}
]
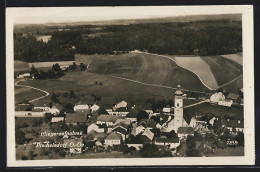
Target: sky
[{"x": 39, "y": 15}]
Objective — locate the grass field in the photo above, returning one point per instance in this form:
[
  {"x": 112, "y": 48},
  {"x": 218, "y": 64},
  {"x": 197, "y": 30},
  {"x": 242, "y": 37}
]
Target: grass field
[
  {"x": 235, "y": 86},
  {"x": 199, "y": 67},
  {"x": 218, "y": 111},
  {"x": 144, "y": 68},
  {"x": 20, "y": 66},
  {"x": 224, "y": 70},
  {"x": 235, "y": 57},
  {"x": 26, "y": 94}
]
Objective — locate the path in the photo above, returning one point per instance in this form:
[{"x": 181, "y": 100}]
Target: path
[
  {"x": 47, "y": 94},
  {"x": 195, "y": 104},
  {"x": 230, "y": 81}
]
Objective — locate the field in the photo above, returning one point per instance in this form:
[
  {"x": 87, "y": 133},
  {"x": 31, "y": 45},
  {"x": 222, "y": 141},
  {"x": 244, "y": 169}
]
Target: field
[
  {"x": 199, "y": 67},
  {"x": 20, "y": 66},
  {"x": 235, "y": 57},
  {"x": 49, "y": 64},
  {"x": 26, "y": 94},
  {"x": 224, "y": 70},
  {"x": 235, "y": 86},
  {"x": 144, "y": 68}
]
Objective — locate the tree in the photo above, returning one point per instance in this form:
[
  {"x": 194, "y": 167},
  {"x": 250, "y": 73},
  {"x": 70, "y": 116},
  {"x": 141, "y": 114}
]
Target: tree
[
  {"x": 47, "y": 117},
  {"x": 142, "y": 115},
  {"x": 54, "y": 98},
  {"x": 240, "y": 138},
  {"x": 69, "y": 108},
  {"x": 191, "y": 147},
  {"x": 82, "y": 66},
  {"x": 72, "y": 94},
  {"x": 34, "y": 71},
  {"x": 149, "y": 150},
  {"x": 56, "y": 67},
  {"x": 20, "y": 137},
  {"x": 156, "y": 118}
]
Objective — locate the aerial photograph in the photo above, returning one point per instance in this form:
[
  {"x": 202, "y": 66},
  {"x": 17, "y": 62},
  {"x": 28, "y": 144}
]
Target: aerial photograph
[{"x": 139, "y": 85}]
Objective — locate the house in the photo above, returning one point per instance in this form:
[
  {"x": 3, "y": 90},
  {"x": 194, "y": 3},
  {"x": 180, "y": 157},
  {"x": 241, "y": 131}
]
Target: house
[
  {"x": 167, "y": 109},
  {"x": 94, "y": 108},
  {"x": 122, "y": 111},
  {"x": 25, "y": 75},
  {"x": 56, "y": 109},
  {"x": 148, "y": 134},
  {"x": 45, "y": 106},
  {"x": 109, "y": 120},
  {"x": 148, "y": 123},
  {"x": 96, "y": 128},
  {"x": 216, "y": 97},
  {"x": 234, "y": 97},
  {"x": 113, "y": 139},
  {"x": 171, "y": 142},
  {"x": 225, "y": 102},
  {"x": 74, "y": 145},
  {"x": 121, "y": 129},
  {"x": 125, "y": 121},
  {"x": 184, "y": 132},
  {"x": 76, "y": 118},
  {"x": 232, "y": 124},
  {"x": 57, "y": 119},
  {"x": 94, "y": 135},
  {"x": 132, "y": 115},
  {"x": 32, "y": 113},
  {"x": 81, "y": 107},
  {"x": 121, "y": 104}
]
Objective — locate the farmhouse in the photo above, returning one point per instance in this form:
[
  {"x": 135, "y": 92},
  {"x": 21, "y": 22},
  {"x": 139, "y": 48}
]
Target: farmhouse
[
  {"x": 42, "y": 105},
  {"x": 122, "y": 111},
  {"x": 148, "y": 123},
  {"x": 109, "y": 120},
  {"x": 74, "y": 145},
  {"x": 32, "y": 113},
  {"x": 25, "y": 75},
  {"x": 57, "y": 119},
  {"x": 113, "y": 139},
  {"x": 184, "y": 132},
  {"x": 171, "y": 142},
  {"x": 234, "y": 97},
  {"x": 121, "y": 129},
  {"x": 225, "y": 102},
  {"x": 96, "y": 128},
  {"x": 122, "y": 104},
  {"x": 76, "y": 118},
  {"x": 56, "y": 109},
  {"x": 216, "y": 97}
]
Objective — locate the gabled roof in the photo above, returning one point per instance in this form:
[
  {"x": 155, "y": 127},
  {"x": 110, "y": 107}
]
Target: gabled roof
[
  {"x": 185, "y": 130},
  {"x": 76, "y": 117},
  {"x": 113, "y": 136},
  {"x": 122, "y": 109},
  {"x": 94, "y": 134},
  {"x": 119, "y": 130},
  {"x": 108, "y": 118},
  {"x": 149, "y": 134},
  {"x": 234, "y": 123},
  {"x": 58, "y": 106},
  {"x": 76, "y": 142},
  {"x": 133, "y": 112},
  {"x": 167, "y": 140},
  {"x": 83, "y": 111},
  {"x": 233, "y": 96},
  {"x": 37, "y": 110},
  {"x": 41, "y": 104},
  {"x": 148, "y": 123}
]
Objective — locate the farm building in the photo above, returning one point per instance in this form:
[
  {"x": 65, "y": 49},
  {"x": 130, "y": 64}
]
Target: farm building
[
  {"x": 216, "y": 97},
  {"x": 171, "y": 142},
  {"x": 57, "y": 119},
  {"x": 122, "y": 104},
  {"x": 25, "y": 75},
  {"x": 42, "y": 105},
  {"x": 225, "y": 102},
  {"x": 113, "y": 139},
  {"x": 76, "y": 118}
]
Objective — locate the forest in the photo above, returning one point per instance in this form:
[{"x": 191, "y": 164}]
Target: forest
[{"x": 178, "y": 38}]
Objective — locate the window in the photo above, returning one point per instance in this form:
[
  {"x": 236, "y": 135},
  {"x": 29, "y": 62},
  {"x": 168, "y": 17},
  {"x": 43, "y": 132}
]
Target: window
[{"x": 177, "y": 104}]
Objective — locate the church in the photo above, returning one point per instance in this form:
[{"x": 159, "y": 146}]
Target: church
[{"x": 176, "y": 121}]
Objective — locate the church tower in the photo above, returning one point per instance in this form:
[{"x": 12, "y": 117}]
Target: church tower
[{"x": 178, "y": 108}]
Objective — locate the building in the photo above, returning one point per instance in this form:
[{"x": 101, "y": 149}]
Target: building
[
  {"x": 113, "y": 139},
  {"x": 184, "y": 132},
  {"x": 76, "y": 118},
  {"x": 121, "y": 129},
  {"x": 233, "y": 124},
  {"x": 148, "y": 123},
  {"x": 94, "y": 135},
  {"x": 25, "y": 75},
  {"x": 96, "y": 128},
  {"x": 94, "y": 108},
  {"x": 57, "y": 119},
  {"x": 109, "y": 120},
  {"x": 56, "y": 109},
  {"x": 234, "y": 97},
  {"x": 171, "y": 142},
  {"x": 148, "y": 134},
  {"x": 225, "y": 102},
  {"x": 74, "y": 145},
  {"x": 32, "y": 113},
  {"x": 216, "y": 97},
  {"x": 121, "y": 104}
]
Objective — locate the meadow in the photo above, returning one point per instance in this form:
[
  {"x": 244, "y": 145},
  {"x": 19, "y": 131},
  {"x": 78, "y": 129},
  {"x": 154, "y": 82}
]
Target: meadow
[
  {"x": 26, "y": 94},
  {"x": 235, "y": 57},
  {"x": 20, "y": 66}
]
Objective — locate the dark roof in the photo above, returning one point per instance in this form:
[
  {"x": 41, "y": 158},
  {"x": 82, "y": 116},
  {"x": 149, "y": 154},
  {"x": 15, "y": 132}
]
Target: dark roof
[
  {"x": 120, "y": 130},
  {"x": 94, "y": 134},
  {"x": 133, "y": 112},
  {"x": 102, "y": 125},
  {"x": 106, "y": 106},
  {"x": 107, "y": 101},
  {"x": 58, "y": 106},
  {"x": 233, "y": 96},
  {"x": 87, "y": 101},
  {"x": 108, "y": 118},
  {"x": 122, "y": 109},
  {"x": 42, "y": 104},
  {"x": 23, "y": 107},
  {"x": 234, "y": 123},
  {"x": 68, "y": 142},
  {"x": 83, "y": 111},
  {"x": 76, "y": 117},
  {"x": 167, "y": 140},
  {"x": 148, "y": 123},
  {"x": 113, "y": 136},
  {"x": 37, "y": 110},
  {"x": 185, "y": 130},
  {"x": 102, "y": 111}
]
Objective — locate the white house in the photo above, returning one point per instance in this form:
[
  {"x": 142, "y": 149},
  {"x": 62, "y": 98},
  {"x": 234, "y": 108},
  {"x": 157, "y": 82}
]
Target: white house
[
  {"x": 113, "y": 139},
  {"x": 94, "y": 108},
  {"x": 57, "y": 119},
  {"x": 96, "y": 128},
  {"x": 55, "y": 109},
  {"x": 32, "y": 113},
  {"x": 238, "y": 125},
  {"x": 81, "y": 107},
  {"x": 216, "y": 97},
  {"x": 171, "y": 142},
  {"x": 122, "y": 104},
  {"x": 225, "y": 102}
]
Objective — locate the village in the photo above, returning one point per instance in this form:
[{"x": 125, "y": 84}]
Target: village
[{"x": 113, "y": 125}]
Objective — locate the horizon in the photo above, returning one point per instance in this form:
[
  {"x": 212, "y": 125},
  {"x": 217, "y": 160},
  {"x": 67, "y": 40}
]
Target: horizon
[{"x": 57, "y": 15}]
